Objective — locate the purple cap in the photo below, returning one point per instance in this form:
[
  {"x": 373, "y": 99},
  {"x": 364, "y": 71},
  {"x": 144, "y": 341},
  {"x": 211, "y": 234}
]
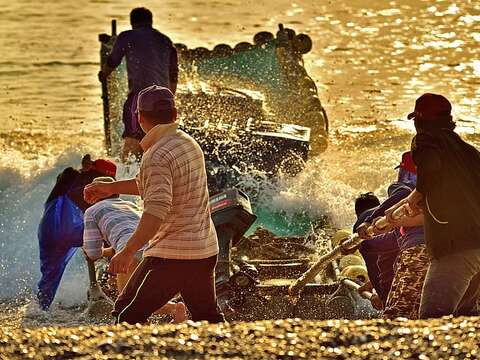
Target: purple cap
[{"x": 155, "y": 99}]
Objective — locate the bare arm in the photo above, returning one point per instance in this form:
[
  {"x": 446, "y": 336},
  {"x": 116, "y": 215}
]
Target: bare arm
[
  {"x": 146, "y": 230},
  {"x": 101, "y": 190},
  {"x": 114, "y": 59},
  {"x": 127, "y": 187}
]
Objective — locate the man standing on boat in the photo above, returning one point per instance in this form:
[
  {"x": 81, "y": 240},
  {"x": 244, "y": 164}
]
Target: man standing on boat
[
  {"x": 151, "y": 60},
  {"x": 182, "y": 242},
  {"x": 448, "y": 193}
]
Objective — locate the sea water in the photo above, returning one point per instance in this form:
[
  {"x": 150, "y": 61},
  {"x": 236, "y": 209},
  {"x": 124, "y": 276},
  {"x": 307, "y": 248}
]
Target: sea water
[{"x": 370, "y": 60}]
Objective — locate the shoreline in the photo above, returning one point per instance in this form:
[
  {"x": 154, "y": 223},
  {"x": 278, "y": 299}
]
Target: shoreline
[{"x": 289, "y": 338}]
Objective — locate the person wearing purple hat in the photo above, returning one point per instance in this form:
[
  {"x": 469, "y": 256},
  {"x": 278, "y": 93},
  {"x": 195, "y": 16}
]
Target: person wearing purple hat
[
  {"x": 151, "y": 60},
  {"x": 448, "y": 194},
  {"x": 182, "y": 248}
]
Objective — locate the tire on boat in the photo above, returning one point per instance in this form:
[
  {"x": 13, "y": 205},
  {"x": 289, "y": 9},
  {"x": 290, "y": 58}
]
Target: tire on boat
[
  {"x": 222, "y": 50},
  {"x": 199, "y": 53},
  {"x": 242, "y": 46},
  {"x": 302, "y": 44},
  {"x": 262, "y": 37},
  {"x": 290, "y": 33},
  {"x": 350, "y": 260},
  {"x": 339, "y": 236},
  {"x": 355, "y": 273}
]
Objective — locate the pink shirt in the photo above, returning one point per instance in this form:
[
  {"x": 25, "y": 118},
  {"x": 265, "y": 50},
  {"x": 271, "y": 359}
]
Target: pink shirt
[{"x": 172, "y": 181}]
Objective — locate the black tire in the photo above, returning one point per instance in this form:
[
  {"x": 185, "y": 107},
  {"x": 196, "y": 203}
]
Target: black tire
[
  {"x": 222, "y": 50},
  {"x": 242, "y": 46},
  {"x": 262, "y": 37},
  {"x": 302, "y": 44}
]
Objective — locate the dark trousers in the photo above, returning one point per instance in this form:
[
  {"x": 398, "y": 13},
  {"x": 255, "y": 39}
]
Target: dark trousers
[
  {"x": 452, "y": 285},
  {"x": 158, "y": 280}
]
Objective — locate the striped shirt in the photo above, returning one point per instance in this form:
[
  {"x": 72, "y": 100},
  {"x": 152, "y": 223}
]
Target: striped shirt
[
  {"x": 109, "y": 220},
  {"x": 172, "y": 181}
]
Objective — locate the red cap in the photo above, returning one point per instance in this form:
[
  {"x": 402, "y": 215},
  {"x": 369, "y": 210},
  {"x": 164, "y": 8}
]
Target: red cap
[
  {"x": 105, "y": 167},
  {"x": 431, "y": 107},
  {"x": 407, "y": 163}
]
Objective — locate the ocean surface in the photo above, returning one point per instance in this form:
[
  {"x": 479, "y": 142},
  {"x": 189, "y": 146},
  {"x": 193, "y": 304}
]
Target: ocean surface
[{"x": 370, "y": 61}]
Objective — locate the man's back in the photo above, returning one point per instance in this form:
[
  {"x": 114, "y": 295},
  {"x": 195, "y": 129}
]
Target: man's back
[
  {"x": 151, "y": 58},
  {"x": 173, "y": 169},
  {"x": 449, "y": 175},
  {"x": 110, "y": 220}
]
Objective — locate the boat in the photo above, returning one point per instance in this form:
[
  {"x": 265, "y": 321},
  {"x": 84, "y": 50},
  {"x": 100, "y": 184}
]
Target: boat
[{"x": 252, "y": 107}]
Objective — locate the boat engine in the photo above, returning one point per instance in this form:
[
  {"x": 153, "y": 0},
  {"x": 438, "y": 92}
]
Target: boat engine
[{"x": 232, "y": 215}]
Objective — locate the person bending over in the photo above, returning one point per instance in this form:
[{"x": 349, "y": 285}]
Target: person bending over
[
  {"x": 60, "y": 231},
  {"x": 379, "y": 252},
  {"x": 182, "y": 242},
  {"x": 111, "y": 222}
]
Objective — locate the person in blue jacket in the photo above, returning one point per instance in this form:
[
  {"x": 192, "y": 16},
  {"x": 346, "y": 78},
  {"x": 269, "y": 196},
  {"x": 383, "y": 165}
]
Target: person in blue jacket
[{"x": 60, "y": 231}]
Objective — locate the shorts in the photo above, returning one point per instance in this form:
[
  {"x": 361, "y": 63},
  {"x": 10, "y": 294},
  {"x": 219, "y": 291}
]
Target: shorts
[{"x": 132, "y": 128}]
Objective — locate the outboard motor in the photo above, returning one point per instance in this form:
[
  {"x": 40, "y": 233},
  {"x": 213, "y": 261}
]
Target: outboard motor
[{"x": 232, "y": 215}]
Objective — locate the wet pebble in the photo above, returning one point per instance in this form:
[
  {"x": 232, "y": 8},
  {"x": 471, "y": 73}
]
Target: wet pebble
[{"x": 282, "y": 339}]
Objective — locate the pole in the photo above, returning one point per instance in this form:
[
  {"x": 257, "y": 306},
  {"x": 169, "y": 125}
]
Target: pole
[
  {"x": 104, "y": 52},
  {"x": 351, "y": 242}
]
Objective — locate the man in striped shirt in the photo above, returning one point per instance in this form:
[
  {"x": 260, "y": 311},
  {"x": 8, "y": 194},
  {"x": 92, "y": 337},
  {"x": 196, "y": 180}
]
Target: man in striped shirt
[
  {"x": 112, "y": 222},
  {"x": 182, "y": 243}
]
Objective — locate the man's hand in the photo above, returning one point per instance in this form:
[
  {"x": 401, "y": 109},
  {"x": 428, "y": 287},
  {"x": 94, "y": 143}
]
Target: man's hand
[
  {"x": 121, "y": 262},
  {"x": 389, "y": 212},
  {"x": 365, "y": 287},
  {"x": 102, "y": 77},
  {"x": 381, "y": 230},
  {"x": 97, "y": 191},
  {"x": 108, "y": 252},
  {"x": 362, "y": 230},
  {"x": 376, "y": 302},
  {"x": 414, "y": 203}
]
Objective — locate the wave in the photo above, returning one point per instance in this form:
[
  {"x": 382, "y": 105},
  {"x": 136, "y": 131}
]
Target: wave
[
  {"x": 22, "y": 206},
  {"x": 286, "y": 206}
]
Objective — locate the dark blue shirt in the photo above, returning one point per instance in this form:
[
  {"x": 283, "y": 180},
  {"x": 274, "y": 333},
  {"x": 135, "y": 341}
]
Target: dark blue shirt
[
  {"x": 380, "y": 253},
  {"x": 151, "y": 58},
  {"x": 410, "y": 236}
]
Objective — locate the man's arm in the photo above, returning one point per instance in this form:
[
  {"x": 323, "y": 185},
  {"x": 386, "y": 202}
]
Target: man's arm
[
  {"x": 114, "y": 59},
  {"x": 92, "y": 238},
  {"x": 101, "y": 190},
  {"x": 426, "y": 154},
  {"x": 401, "y": 193},
  {"x": 158, "y": 192}
]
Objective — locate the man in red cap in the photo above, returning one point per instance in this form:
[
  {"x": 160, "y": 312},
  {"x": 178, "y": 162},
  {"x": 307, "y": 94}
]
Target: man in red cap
[
  {"x": 60, "y": 231},
  {"x": 448, "y": 194}
]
